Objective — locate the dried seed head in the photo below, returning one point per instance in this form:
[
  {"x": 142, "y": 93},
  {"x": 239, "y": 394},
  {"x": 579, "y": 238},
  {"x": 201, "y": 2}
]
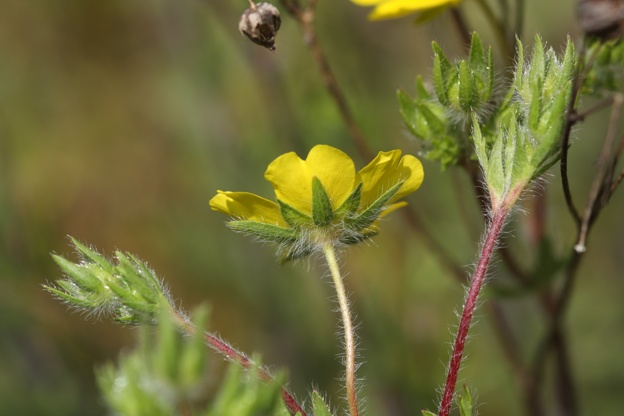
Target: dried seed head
[
  {"x": 601, "y": 18},
  {"x": 260, "y": 23}
]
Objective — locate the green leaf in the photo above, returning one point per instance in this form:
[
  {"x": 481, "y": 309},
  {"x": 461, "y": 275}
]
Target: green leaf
[
  {"x": 319, "y": 407},
  {"x": 441, "y": 68},
  {"x": 464, "y": 402},
  {"x": 79, "y": 274},
  {"x": 92, "y": 256},
  {"x": 467, "y": 93}
]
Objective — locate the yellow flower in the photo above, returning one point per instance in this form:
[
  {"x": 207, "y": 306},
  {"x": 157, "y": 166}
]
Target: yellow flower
[
  {"x": 389, "y": 9},
  {"x": 322, "y": 198}
]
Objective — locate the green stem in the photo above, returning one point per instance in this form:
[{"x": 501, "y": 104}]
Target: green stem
[{"x": 330, "y": 256}]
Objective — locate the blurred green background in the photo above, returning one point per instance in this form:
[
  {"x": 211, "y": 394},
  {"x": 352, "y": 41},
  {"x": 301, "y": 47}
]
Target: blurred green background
[{"x": 120, "y": 119}]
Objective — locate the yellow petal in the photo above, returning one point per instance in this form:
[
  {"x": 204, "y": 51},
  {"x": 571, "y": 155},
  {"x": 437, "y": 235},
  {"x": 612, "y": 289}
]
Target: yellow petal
[
  {"x": 397, "y": 8},
  {"x": 367, "y": 2},
  {"x": 335, "y": 170},
  {"x": 385, "y": 171},
  {"x": 292, "y": 181},
  {"x": 291, "y": 177},
  {"x": 248, "y": 206}
]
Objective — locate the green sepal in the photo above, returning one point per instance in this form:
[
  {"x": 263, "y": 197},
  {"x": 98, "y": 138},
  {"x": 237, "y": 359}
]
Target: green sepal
[
  {"x": 464, "y": 403},
  {"x": 292, "y": 216},
  {"x": 371, "y": 214},
  {"x": 351, "y": 204},
  {"x": 263, "y": 231},
  {"x": 428, "y": 413},
  {"x": 322, "y": 212},
  {"x": 319, "y": 407}
]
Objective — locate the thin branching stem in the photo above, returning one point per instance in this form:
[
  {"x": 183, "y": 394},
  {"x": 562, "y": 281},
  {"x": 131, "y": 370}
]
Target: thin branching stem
[{"x": 332, "y": 262}]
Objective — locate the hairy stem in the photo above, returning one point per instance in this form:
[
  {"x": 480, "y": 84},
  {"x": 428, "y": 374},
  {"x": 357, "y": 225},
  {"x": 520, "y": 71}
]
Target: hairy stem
[
  {"x": 330, "y": 256},
  {"x": 231, "y": 354},
  {"x": 491, "y": 238}
]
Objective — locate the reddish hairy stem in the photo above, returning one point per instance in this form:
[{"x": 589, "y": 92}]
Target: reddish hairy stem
[
  {"x": 489, "y": 245},
  {"x": 240, "y": 358}
]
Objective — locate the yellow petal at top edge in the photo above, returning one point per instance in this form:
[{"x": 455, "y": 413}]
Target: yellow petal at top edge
[
  {"x": 367, "y": 2},
  {"x": 335, "y": 170},
  {"x": 385, "y": 171},
  {"x": 398, "y": 8},
  {"x": 291, "y": 177},
  {"x": 248, "y": 206}
]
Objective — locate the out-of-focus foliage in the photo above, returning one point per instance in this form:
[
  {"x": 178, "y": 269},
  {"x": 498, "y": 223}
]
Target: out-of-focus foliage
[
  {"x": 168, "y": 374},
  {"x": 120, "y": 119}
]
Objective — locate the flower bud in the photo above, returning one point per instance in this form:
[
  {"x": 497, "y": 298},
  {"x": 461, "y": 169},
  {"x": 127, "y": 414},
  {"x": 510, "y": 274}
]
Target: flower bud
[{"x": 260, "y": 23}]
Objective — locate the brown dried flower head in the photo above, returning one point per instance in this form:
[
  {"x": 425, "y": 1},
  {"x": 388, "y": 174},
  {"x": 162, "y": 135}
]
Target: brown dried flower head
[{"x": 260, "y": 23}]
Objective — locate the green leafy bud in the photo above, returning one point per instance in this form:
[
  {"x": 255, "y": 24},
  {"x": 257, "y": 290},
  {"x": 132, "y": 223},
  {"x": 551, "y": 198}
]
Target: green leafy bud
[{"x": 128, "y": 288}]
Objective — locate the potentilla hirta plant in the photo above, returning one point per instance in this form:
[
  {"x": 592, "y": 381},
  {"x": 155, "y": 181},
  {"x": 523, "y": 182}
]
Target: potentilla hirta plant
[
  {"x": 324, "y": 204},
  {"x": 505, "y": 133}
]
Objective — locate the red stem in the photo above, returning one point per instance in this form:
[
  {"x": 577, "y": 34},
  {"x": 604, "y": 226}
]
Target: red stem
[
  {"x": 493, "y": 233},
  {"x": 232, "y": 354}
]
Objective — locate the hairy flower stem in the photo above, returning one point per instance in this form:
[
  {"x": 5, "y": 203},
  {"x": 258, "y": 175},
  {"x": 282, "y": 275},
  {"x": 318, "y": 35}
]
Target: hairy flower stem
[
  {"x": 236, "y": 356},
  {"x": 489, "y": 245},
  {"x": 330, "y": 256}
]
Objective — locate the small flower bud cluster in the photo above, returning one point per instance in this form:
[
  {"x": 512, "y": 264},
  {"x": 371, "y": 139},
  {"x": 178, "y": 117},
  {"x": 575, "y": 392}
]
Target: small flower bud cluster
[{"x": 439, "y": 117}]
